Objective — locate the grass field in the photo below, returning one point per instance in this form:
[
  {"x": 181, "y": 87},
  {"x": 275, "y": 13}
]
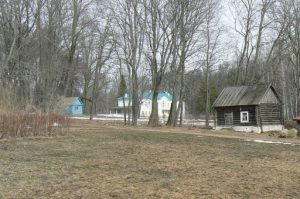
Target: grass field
[{"x": 107, "y": 162}]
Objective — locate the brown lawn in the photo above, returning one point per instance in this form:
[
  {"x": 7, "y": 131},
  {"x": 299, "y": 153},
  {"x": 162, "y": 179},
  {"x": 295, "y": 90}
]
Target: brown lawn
[{"x": 101, "y": 161}]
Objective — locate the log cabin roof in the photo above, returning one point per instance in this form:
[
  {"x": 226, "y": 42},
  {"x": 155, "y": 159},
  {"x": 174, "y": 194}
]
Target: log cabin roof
[{"x": 247, "y": 95}]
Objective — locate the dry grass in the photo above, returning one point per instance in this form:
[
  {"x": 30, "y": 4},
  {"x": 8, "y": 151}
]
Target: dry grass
[
  {"x": 22, "y": 124},
  {"x": 107, "y": 162}
]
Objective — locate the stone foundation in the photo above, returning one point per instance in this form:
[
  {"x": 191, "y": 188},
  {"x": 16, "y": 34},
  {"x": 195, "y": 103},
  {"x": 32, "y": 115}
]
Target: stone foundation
[{"x": 254, "y": 129}]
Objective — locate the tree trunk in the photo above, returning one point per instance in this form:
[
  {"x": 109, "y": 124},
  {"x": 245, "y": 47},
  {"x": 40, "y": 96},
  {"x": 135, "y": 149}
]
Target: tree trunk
[
  {"x": 207, "y": 104},
  {"x": 173, "y": 113},
  {"x": 124, "y": 110},
  {"x": 154, "y": 120},
  {"x": 135, "y": 98},
  {"x": 258, "y": 43}
]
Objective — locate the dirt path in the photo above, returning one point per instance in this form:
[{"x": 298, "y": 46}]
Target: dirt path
[{"x": 263, "y": 137}]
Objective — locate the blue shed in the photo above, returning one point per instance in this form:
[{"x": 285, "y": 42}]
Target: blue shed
[{"x": 72, "y": 106}]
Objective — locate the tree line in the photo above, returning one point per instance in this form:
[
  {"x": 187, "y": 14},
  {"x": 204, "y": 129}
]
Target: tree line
[{"x": 54, "y": 48}]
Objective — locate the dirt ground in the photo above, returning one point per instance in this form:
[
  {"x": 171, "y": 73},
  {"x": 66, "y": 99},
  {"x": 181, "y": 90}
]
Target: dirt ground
[
  {"x": 97, "y": 160},
  {"x": 193, "y": 130}
]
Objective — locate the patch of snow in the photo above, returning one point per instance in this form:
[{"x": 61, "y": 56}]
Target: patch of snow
[
  {"x": 55, "y": 124},
  {"x": 272, "y": 142},
  {"x": 119, "y": 117},
  {"x": 79, "y": 118},
  {"x": 111, "y": 115}
]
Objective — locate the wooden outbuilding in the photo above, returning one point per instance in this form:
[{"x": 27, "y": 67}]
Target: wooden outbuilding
[
  {"x": 70, "y": 106},
  {"x": 249, "y": 108}
]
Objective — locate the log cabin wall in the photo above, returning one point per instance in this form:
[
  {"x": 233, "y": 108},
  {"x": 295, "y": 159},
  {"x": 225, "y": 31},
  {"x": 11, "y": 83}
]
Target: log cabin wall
[
  {"x": 271, "y": 114},
  {"x": 236, "y": 110}
]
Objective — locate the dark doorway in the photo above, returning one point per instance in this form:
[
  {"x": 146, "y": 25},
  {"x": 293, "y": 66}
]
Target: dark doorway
[{"x": 228, "y": 119}]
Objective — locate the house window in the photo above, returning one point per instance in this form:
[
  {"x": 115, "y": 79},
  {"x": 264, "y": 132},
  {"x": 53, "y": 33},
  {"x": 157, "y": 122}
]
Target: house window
[
  {"x": 76, "y": 108},
  {"x": 244, "y": 116}
]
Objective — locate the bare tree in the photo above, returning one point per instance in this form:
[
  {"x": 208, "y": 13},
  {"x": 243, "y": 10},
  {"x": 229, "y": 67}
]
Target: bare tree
[
  {"x": 189, "y": 16},
  {"x": 78, "y": 24},
  {"x": 244, "y": 23},
  {"x": 211, "y": 34},
  {"x": 131, "y": 42},
  {"x": 105, "y": 48},
  {"x": 160, "y": 47}
]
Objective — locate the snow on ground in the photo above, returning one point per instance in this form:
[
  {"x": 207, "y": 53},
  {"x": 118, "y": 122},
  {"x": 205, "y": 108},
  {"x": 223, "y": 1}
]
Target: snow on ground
[
  {"x": 119, "y": 117},
  {"x": 272, "y": 142}
]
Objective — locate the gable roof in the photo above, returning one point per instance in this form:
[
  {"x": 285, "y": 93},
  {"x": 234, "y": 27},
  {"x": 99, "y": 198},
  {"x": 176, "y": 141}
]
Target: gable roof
[
  {"x": 148, "y": 95},
  {"x": 69, "y": 101},
  {"x": 247, "y": 95}
]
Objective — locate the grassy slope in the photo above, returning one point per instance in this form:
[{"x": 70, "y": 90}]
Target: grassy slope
[{"x": 129, "y": 164}]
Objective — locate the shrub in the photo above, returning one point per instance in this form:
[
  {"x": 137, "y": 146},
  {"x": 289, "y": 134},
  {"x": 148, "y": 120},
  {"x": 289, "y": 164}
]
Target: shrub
[
  {"x": 23, "y": 124},
  {"x": 273, "y": 133},
  {"x": 290, "y": 124},
  {"x": 285, "y": 133},
  {"x": 292, "y": 133}
]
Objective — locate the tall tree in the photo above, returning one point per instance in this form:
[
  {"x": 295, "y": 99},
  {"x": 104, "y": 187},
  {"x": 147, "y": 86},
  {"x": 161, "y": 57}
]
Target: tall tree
[
  {"x": 105, "y": 47},
  {"x": 160, "y": 45},
  {"x": 131, "y": 42},
  {"x": 188, "y": 17},
  {"x": 211, "y": 54},
  {"x": 121, "y": 94},
  {"x": 77, "y": 11}
]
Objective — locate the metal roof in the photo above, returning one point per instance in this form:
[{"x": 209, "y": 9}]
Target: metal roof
[
  {"x": 148, "y": 95},
  {"x": 296, "y": 118},
  {"x": 243, "y": 95},
  {"x": 69, "y": 101}
]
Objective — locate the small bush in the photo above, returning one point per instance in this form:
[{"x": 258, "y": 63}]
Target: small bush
[
  {"x": 290, "y": 125},
  {"x": 292, "y": 133},
  {"x": 273, "y": 133},
  {"x": 288, "y": 133},
  {"x": 23, "y": 124}
]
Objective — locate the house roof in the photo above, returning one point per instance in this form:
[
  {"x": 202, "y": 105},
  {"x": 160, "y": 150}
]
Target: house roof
[
  {"x": 69, "y": 101},
  {"x": 246, "y": 95},
  {"x": 148, "y": 95},
  {"x": 296, "y": 118}
]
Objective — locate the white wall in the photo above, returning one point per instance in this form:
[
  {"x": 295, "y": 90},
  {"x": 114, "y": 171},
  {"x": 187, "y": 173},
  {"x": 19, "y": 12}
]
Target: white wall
[
  {"x": 120, "y": 101},
  {"x": 255, "y": 129},
  {"x": 164, "y": 106},
  {"x": 146, "y": 106}
]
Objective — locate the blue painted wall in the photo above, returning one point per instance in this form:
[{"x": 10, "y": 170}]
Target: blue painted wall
[{"x": 75, "y": 109}]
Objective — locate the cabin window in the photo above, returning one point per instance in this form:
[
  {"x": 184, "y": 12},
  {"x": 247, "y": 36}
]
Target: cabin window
[
  {"x": 244, "y": 116},
  {"x": 76, "y": 108}
]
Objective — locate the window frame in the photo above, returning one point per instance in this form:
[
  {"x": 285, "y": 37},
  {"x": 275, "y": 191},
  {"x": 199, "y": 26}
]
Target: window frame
[{"x": 241, "y": 116}]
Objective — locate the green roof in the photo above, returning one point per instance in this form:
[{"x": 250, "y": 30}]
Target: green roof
[{"x": 148, "y": 95}]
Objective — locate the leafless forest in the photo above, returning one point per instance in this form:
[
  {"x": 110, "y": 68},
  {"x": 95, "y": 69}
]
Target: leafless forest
[{"x": 191, "y": 48}]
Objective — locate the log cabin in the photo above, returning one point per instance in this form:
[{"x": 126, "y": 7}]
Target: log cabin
[{"x": 248, "y": 108}]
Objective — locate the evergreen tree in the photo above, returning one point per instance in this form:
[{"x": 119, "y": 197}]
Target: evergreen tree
[
  {"x": 121, "y": 93},
  {"x": 122, "y": 87}
]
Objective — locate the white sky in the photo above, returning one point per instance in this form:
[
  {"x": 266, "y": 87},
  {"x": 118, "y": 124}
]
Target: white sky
[{"x": 230, "y": 38}]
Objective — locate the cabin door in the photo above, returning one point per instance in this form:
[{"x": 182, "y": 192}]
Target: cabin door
[{"x": 228, "y": 119}]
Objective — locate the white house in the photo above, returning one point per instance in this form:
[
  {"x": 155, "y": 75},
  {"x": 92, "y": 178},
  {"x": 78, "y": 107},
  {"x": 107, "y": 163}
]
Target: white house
[{"x": 164, "y": 101}]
